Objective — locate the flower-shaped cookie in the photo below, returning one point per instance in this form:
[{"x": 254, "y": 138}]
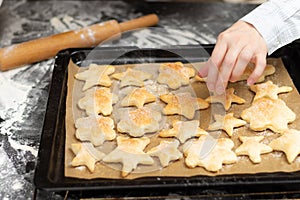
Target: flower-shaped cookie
[
  {"x": 175, "y": 74},
  {"x": 95, "y": 129},
  {"x": 139, "y": 121},
  {"x": 184, "y": 130},
  {"x": 289, "y": 143},
  {"x": 98, "y": 101},
  {"x": 96, "y": 75},
  {"x": 129, "y": 152},
  {"x": 209, "y": 153},
  {"x": 182, "y": 104},
  {"x": 266, "y": 113}
]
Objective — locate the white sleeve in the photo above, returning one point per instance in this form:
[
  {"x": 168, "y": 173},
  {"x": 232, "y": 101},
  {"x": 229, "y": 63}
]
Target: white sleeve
[{"x": 278, "y": 21}]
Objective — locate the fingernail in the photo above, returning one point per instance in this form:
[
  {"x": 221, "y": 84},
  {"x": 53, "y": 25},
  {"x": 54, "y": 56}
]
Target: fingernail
[
  {"x": 210, "y": 86},
  {"x": 220, "y": 90},
  {"x": 250, "y": 82}
]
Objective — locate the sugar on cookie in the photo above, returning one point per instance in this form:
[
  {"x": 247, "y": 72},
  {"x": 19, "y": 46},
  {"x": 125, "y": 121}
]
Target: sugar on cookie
[
  {"x": 268, "y": 89},
  {"x": 266, "y": 113}
]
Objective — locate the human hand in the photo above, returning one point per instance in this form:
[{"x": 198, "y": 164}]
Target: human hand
[{"x": 235, "y": 48}]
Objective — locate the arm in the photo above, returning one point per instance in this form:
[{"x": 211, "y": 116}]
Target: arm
[{"x": 265, "y": 29}]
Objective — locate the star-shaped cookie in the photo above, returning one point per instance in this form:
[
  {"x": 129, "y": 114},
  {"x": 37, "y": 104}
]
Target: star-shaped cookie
[
  {"x": 138, "y": 97},
  {"x": 268, "y": 89},
  {"x": 183, "y": 104},
  {"x": 166, "y": 151},
  {"x": 266, "y": 113},
  {"x": 132, "y": 77},
  {"x": 175, "y": 74},
  {"x": 226, "y": 99},
  {"x": 252, "y": 147},
  {"x": 226, "y": 123},
  {"x": 86, "y": 155},
  {"x": 269, "y": 70},
  {"x": 209, "y": 153},
  {"x": 129, "y": 152},
  {"x": 289, "y": 143},
  {"x": 95, "y": 129},
  {"x": 139, "y": 121},
  {"x": 96, "y": 75},
  {"x": 98, "y": 101},
  {"x": 184, "y": 130}
]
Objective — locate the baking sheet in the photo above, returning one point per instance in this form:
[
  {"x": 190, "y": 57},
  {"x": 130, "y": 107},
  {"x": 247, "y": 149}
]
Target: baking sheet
[{"x": 273, "y": 162}]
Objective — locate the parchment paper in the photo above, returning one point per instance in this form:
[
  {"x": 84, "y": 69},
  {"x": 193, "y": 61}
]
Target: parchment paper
[{"x": 272, "y": 162}]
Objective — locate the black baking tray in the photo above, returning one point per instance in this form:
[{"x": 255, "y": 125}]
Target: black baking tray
[{"x": 49, "y": 173}]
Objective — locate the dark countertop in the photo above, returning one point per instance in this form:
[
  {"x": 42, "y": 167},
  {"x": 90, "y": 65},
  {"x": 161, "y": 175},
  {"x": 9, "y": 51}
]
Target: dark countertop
[{"x": 24, "y": 91}]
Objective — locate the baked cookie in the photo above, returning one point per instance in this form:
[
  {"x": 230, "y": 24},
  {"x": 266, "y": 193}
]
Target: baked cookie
[
  {"x": 226, "y": 99},
  {"x": 252, "y": 147},
  {"x": 266, "y": 113},
  {"x": 209, "y": 153},
  {"x": 96, "y": 75},
  {"x": 138, "y": 97},
  {"x": 132, "y": 77},
  {"x": 289, "y": 143},
  {"x": 184, "y": 130},
  {"x": 98, "y": 101},
  {"x": 95, "y": 129},
  {"x": 175, "y": 74},
  {"x": 166, "y": 151},
  {"x": 226, "y": 123},
  {"x": 183, "y": 104},
  {"x": 269, "y": 70},
  {"x": 139, "y": 121},
  {"x": 129, "y": 152},
  {"x": 85, "y": 155},
  {"x": 268, "y": 89}
]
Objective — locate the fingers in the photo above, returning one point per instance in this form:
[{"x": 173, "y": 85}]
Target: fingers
[
  {"x": 242, "y": 61},
  {"x": 228, "y": 64},
  {"x": 213, "y": 64},
  {"x": 235, "y": 48},
  {"x": 260, "y": 64}
]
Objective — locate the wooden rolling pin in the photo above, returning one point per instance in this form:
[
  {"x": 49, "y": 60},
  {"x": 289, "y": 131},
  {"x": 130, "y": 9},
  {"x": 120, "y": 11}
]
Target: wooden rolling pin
[{"x": 47, "y": 47}]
